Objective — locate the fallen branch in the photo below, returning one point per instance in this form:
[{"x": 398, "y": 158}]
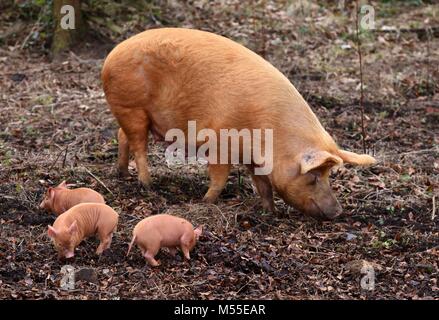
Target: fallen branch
[
  {"x": 98, "y": 180},
  {"x": 421, "y": 32},
  {"x": 59, "y": 155},
  {"x": 35, "y": 27}
]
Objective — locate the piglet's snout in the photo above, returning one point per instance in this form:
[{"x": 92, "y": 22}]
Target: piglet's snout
[{"x": 69, "y": 254}]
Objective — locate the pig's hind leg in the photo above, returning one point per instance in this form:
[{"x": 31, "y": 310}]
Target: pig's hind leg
[
  {"x": 218, "y": 174},
  {"x": 149, "y": 255},
  {"x": 123, "y": 153},
  {"x": 150, "y": 250},
  {"x": 135, "y": 124},
  {"x": 105, "y": 243}
]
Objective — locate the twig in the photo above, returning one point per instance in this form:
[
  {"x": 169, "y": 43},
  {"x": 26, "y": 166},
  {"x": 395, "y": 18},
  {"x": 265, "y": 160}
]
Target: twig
[
  {"x": 434, "y": 31},
  {"x": 428, "y": 59},
  {"x": 34, "y": 27},
  {"x": 98, "y": 180},
  {"x": 65, "y": 157},
  {"x": 245, "y": 285},
  {"x": 363, "y": 131},
  {"x": 159, "y": 289},
  {"x": 434, "y": 149},
  {"x": 433, "y": 214},
  {"x": 227, "y": 222},
  {"x": 56, "y": 160}
]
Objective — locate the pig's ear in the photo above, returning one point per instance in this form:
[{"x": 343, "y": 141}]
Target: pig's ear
[
  {"x": 63, "y": 184},
  {"x": 51, "y": 193},
  {"x": 357, "y": 159},
  {"x": 51, "y": 232},
  {"x": 198, "y": 231},
  {"x": 312, "y": 160},
  {"x": 73, "y": 227}
]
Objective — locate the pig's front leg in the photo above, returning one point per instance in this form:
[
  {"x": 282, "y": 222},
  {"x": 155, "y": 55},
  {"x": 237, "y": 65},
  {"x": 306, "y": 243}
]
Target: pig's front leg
[
  {"x": 136, "y": 126},
  {"x": 264, "y": 188},
  {"x": 218, "y": 174},
  {"x": 123, "y": 153},
  {"x": 185, "y": 250}
]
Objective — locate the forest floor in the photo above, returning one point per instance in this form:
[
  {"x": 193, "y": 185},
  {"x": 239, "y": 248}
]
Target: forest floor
[{"x": 55, "y": 125}]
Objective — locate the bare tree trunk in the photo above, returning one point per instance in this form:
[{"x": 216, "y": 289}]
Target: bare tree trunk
[{"x": 64, "y": 39}]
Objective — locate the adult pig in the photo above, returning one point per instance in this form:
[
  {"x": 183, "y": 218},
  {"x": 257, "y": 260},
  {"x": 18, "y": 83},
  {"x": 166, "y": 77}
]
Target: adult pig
[{"x": 160, "y": 79}]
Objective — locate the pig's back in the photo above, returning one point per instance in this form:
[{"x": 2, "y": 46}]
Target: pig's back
[
  {"x": 193, "y": 74},
  {"x": 83, "y": 195},
  {"x": 89, "y": 216}
]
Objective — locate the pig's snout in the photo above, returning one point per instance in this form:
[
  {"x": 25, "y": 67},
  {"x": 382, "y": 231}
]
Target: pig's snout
[
  {"x": 70, "y": 254},
  {"x": 333, "y": 212},
  {"x": 66, "y": 255},
  {"x": 324, "y": 211}
]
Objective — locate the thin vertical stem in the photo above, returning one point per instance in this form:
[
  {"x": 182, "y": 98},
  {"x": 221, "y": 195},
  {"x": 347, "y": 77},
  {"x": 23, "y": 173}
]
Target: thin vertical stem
[
  {"x": 363, "y": 130},
  {"x": 428, "y": 29}
]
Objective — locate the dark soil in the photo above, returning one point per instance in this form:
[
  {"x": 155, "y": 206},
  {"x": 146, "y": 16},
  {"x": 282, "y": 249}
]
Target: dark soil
[{"x": 55, "y": 123}]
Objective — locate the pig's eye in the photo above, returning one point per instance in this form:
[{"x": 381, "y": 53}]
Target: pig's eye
[{"x": 313, "y": 181}]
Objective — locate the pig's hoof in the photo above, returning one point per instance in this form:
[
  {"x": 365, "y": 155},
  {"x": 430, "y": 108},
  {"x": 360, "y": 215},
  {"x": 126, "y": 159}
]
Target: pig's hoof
[
  {"x": 268, "y": 207},
  {"x": 144, "y": 182},
  {"x": 155, "y": 264},
  {"x": 209, "y": 199},
  {"x": 123, "y": 173}
]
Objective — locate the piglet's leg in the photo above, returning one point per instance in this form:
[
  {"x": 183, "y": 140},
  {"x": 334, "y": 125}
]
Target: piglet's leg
[
  {"x": 218, "y": 174},
  {"x": 185, "y": 251},
  {"x": 104, "y": 244},
  {"x": 123, "y": 153},
  {"x": 149, "y": 256}
]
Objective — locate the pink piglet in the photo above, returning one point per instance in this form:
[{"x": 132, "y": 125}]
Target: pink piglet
[
  {"x": 164, "y": 230},
  {"x": 60, "y": 198},
  {"x": 82, "y": 221}
]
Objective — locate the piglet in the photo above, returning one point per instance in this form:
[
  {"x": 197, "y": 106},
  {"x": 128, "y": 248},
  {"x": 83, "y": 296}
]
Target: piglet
[
  {"x": 164, "y": 230},
  {"x": 82, "y": 221},
  {"x": 60, "y": 199}
]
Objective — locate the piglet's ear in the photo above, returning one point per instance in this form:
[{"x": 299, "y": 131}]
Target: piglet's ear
[
  {"x": 198, "y": 231},
  {"x": 51, "y": 232},
  {"x": 73, "y": 227},
  {"x": 63, "y": 184},
  {"x": 356, "y": 159},
  {"x": 51, "y": 192},
  {"x": 312, "y": 160}
]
